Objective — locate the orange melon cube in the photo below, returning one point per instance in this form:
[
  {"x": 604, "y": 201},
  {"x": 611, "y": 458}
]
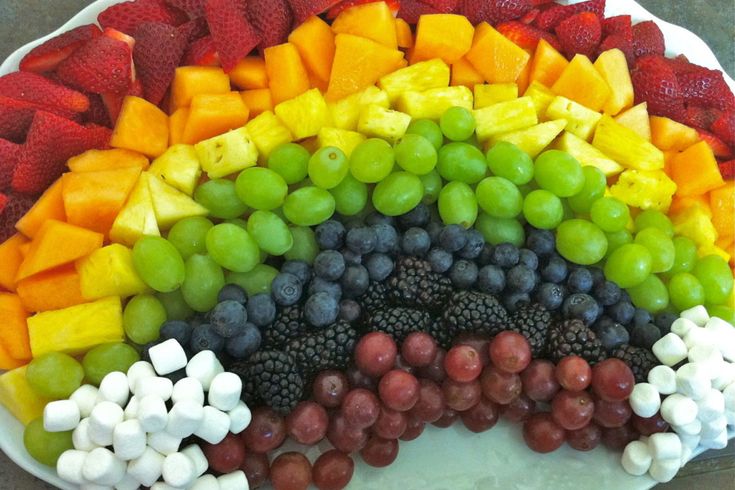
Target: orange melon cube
[
  {"x": 23, "y": 249},
  {"x": 249, "y": 73},
  {"x": 94, "y": 160},
  {"x": 722, "y": 204},
  {"x": 668, "y": 134},
  {"x": 51, "y": 290},
  {"x": 695, "y": 170},
  {"x": 314, "y": 40},
  {"x": 582, "y": 83},
  {"x": 49, "y": 206},
  {"x": 212, "y": 115},
  {"x": 404, "y": 36},
  {"x": 142, "y": 127},
  {"x": 680, "y": 204},
  {"x": 194, "y": 80},
  {"x": 496, "y": 57},
  {"x": 287, "y": 76},
  {"x": 463, "y": 73},
  {"x": 176, "y": 125},
  {"x": 10, "y": 259},
  {"x": 371, "y": 20},
  {"x": 257, "y": 100},
  {"x": 13, "y": 328},
  {"x": 614, "y": 69},
  {"x": 7, "y": 362},
  {"x": 524, "y": 77},
  {"x": 547, "y": 64},
  {"x": 445, "y": 36}
]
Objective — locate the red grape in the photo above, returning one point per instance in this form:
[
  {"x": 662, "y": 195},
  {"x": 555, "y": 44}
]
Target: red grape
[
  {"x": 586, "y": 438},
  {"x": 399, "y": 390},
  {"x": 375, "y": 354},
  {"x": 462, "y": 363},
  {"x": 358, "y": 379},
  {"x": 414, "y": 428},
  {"x": 519, "y": 409},
  {"x": 225, "y": 456},
  {"x": 430, "y": 406},
  {"x": 418, "y": 349},
  {"x": 572, "y": 409},
  {"x": 574, "y": 373},
  {"x": 391, "y": 424},
  {"x": 290, "y": 471},
  {"x": 329, "y": 388},
  {"x": 435, "y": 370},
  {"x": 361, "y": 408},
  {"x": 332, "y": 470},
  {"x": 266, "y": 432},
  {"x": 343, "y": 436},
  {"x": 447, "y": 419},
  {"x": 650, "y": 425},
  {"x": 256, "y": 467},
  {"x": 612, "y": 379},
  {"x": 477, "y": 341},
  {"x": 483, "y": 416},
  {"x": 619, "y": 437},
  {"x": 510, "y": 352},
  {"x": 539, "y": 382},
  {"x": 499, "y": 386},
  {"x": 307, "y": 423},
  {"x": 403, "y": 365},
  {"x": 612, "y": 414},
  {"x": 542, "y": 434},
  {"x": 461, "y": 396},
  {"x": 379, "y": 452}
]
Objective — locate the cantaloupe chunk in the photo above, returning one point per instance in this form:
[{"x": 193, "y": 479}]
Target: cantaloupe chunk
[
  {"x": 614, "y": 69},
  {"x": 142, "y": 127},
  {"x": 7, "y": 362},
  {"x": 636, "y": 118},
  {"x": 444, "y": 36},
  {"x": 137, "y": 218},
  {"x": 404, "y": 36},
  {"x": 193, "y": 80},
  {"x": 212, "y": 115},
  {"x": 51, "y": 290},
  {"x": 257, "y": 100},
  {"x": 10, "y": 259},
  {"x": 495, "y": 56},
  {"x": 722, "y": 204},
  {"x": 94, "y": 160},
  {"x": 695, "y": 170},
  {"x": 546, "y": 64},
  {"x": 13, "y": 327},
  {"x": 249, "y": 73},
  {"x": 581, "y": 82},
  {"x": 23, "y": 249},
  {"x": 680, "y": 204},
  {"x": 371, "y": 20},
  {"x": 287, "y": 76},
  {"x": 463, "y": 73},
  {"x": 18, "y": 396},
  {"x": 49, "y": 206},
  {"x": 314, "y": 40},
  {"x": 176, "y": 125},
  {"x": 668, "y": 134}
]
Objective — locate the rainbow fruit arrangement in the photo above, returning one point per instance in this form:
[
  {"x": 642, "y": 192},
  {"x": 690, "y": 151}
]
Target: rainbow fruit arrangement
[{"x": 359, "y": 218}]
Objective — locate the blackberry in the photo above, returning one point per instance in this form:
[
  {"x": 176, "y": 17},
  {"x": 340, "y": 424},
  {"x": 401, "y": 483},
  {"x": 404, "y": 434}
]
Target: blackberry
[
  {"x": 443, "y": 335},
  {"x": 374, "y": 298},
  {"x": 271, "y": 377},
  {"x": 471, "y": 311},
  {"x": 572, "y": 337},
  {"x": 413, "y": 283},
  {"x": 330, "y": 348},
  {"x": 288, "y": 325},
  {"x": 399, "y": 321},
  {"x": 639, "y": 359},
  {"x": 533, "y": 321}
]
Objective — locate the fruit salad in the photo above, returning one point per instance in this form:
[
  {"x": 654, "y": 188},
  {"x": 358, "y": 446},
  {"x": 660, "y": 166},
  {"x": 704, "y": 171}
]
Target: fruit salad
[{"x": 253, "y": 243}]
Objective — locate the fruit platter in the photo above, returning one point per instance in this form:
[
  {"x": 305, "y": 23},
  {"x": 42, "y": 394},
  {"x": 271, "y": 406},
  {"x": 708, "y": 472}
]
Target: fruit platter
[{"x": 415, "y": 244}]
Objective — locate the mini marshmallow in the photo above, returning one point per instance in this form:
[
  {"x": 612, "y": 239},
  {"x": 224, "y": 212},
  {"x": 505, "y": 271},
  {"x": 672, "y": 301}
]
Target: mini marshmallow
[
  {"x": 127, "y": 483},
  {"x": 670, "y": 349},
  {"x": 103, "y": 467},
  {"x": 163, "y": 442},
  {"x": 636, "y": 458},
  {"x": 178, "y": 470},
  {"x": 664, "y": 445},
  {"x": 645, "y": 400},
  {"x": 162, "y": 387},
  {"x": 690, "y": 441},
  {"x": 164, "y": 486},
  {"x": 224, "y": 391},
  {"x": 691, "y": 429},
  {"x": 686, "y": 455},
  {"x": 717, "y": 442},
  {"x": 208, "y": 482},
  {"x": 204, "y": 366},
  {"x": 114, "y": 387},
  {"x": 712, "y": 428},
  {"x": 707, "y": 356},
  {"x": 726, "y": 335},
  {"x": 152, "y": 413},
  {"x": 60, "y": 416},
  {"x": 711, "y": 405},
  {"x": 188, "y": 389},
  {"x": 664, "y": 470},
  {"x": 693, "y": 380},
  {"x": 697, "y": 314},
  {"x": 69, "y": 466},
  {"x": 167, "y": 357},
  {"x": 214, "y": 427},
  {"x": 233, "y": 481},
  {"x": 196, "y": 455},
  {"x": 678, "y": 409},
  {"x": 699, "y": 336},
  {"x": 147, "y": 468},
  {"x": 240, "y": 418},
  {"x": 663, "y": 378},
  {"x": 681, "y": 326},
  {"x": 138, "y": 371},
  {"x": 129, "y": 440},
  {"x": 80, "y": 437},
  {"x": 94, "y": 486},
  {"x": 725, "y": 376},
  {"x": 185, "y": 418},
  {"x": 131, "y": 409},
  {"x": 86, "y": 398},
  {"x": 105, "y": 416}
]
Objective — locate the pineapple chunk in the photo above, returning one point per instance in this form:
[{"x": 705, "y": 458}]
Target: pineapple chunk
[
  {"x": 713, "y": 249},
  {"x": 179, "y": 167},
  {"x": 505, "y": 117},
  {"x": 636, "y": 118},
  {"x": 644, "y": 189},
  {"x": 341, "y": 138},
  {"x": 18, "y": 396},
  {"x": 587, "y": 154},
  {"x": 109, "y": 271},
  {"x": 346, "y": 112},
  {"x": 418, "y": 77},
  {"x": 137, "y": 218},
  {"x": 304, "y": 115},
  {"x": 582, "y": 121},
  {"x": 533, "y": 140},
  {"x": 227, "y": 153},
  {"x": 541, "y": 96},
  {"x": 76, "y": 329},
  {"x": 614, "y": 69},
  {"x": 693, "y": 222},
  {"x": 431, "y": 104},
  {"x": 626, "y": 147},
  {"x": 486, "y": 95},
  {"x": 383, "y": 123},
  {"x": 170, "y": 205},
  {"x": 268, "y": 133}
]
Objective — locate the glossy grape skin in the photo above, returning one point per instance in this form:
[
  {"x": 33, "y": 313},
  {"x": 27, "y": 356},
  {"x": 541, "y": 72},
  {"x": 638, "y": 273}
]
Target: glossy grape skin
[
  {"x": 398, "y": 193},
  {"x": 204, "y": 279},
  {"x": 457, "y": 123},
  {"x": 594, "y": 186},
  {"x": 54, "y": 375},
  {"x": 461, "y": 162},
  {"x": 309, "y": 206},
  {"x": 432, "y": 183},
  {"x": 175, "y": 306},
  {"x": 661, "y": 247},
  {"x": 232, "y": 247},
  {"x": 617, "y": 239},
  {"x": 685, "y": 291},
  {"x": 457, "y": 204},
  {"x": 542, "y": 434},
  {"x": 270, "y": 232},
  {"x": 142, "y": 318},
  {"x": 290, "y": 161},
  {"x": 106, "y": 358},
  {"x": 158, "y": 263},
  {"x": 257, "y": 280},
  {"x": 651, "y": 294},
  {"x": 219, "y": 196},
  {"x": 499, "y": 230},
  {"x": 188, "y": 235},
  {"x": 45, "y": 447},
  {"x": 715, "y": 277},
  {"x": 685, "y": 255},
  {"x": 499, "y": 197},
  {"x": 428, "y": 129},
  {"x": 372, "y": 161},
  {"x": 542, "y": 209},
  {"x": 508, "y": 161},
  {"x": 350, "y": 196},
  {"x": 327, "y": 167},
  {"x": 261, "y": 188},
  {"x": 415, "y": 154},
  {"x": 652, "y": 218},
  {"x": 304, "y": 245},
  {"x": 629, "y": 265},
  {"x": 559, "y": 173},
  {"x": 581, "y": 242},
  {"x": 332, "y": 470},
  {"x": 610, "y": 214},
  {"x": 724, "y": 312}
]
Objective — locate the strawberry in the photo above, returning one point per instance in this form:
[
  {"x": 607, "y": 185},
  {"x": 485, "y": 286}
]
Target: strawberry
[
  {"x": 158, "y": 51},
  {"x": 9, "y": 154},
  {"x": 719, "y": 147},
  {"x": 536, "y": 3},
  {"x": 16, "y": 206},
  {"x": 303, "y": 9},
  {"x": 194, "y": 29},
  {"x": 444, "y": 6},
  {"x": 526, "y": 36},
  {"x": 34, "y": 88},
  {"x": 621, "y": 42},
  {"x": 530, "y": 16},
  {"x": 475, "y": 10},
  {"x": 272, "y": 19},
  {"x": 102, "y": 65},
  {"x": 345, "y": 4},
  {"x": 97, "y": 113},
  {"x": 126, "y": 16},
  {"x": 504, "y": 10},
  {"x": 411, "y": 10},
  {"x": 648, "y": 39},
  {"x": 550, "y": 18},
  {"x": 195, "y": 8},
  {"x": 704, "y": 87},
  {"x": 654, "y": 82},
  {"x": 616, "y": 25},
  {"x": 579, "y": 34},
  {"x": 232, "y": 32},
  {"x": 113, "y": 102},
  {"x": 47, "y": 56},
  {"x": 727, "y": 169},
  {"x": 3, "y": 202},
  {"x": 15, "y": 118},
  {"x": 680, "y": 64},
  {"x": 724, "y": 127},
  {"x": 202, "y": 52},
  {"x": 700, "y": 117}
]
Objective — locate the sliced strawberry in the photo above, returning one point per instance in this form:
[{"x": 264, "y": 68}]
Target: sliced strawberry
[
  {"x": 202, "y": 52},
  {"x": 16, "y": 206},
  {"x": 448, "y": 6},
  {"x": 719, "y": 147},
  {"x": 536, "y": 3},
  {"x": 411, "y": 10},
  {"x": 526, "y": 36},
  {"x": 680, "y": 64},
  {"x": 102, "y": 65},
  {"x": 476, "y": 11},
  {"x": 621, "y": 42},
  {"x": 579, "y": 34},
  {"x": 648, "y": 39},
  {"x": 126, "y": 16},
  {"x": 724, "y": 127},
  {"x": 158, "y": 51},
  {"x": 550, "y": 18},
  {"x": 32, "y": 87},
  {"x": 97, "y": 113},
  {"x": 272, "y": 19},
  {"x": 15, "y": 118},
  {"x": 303, "y": 9},
  {"x": 654, "y": 82},
  {"x": 700, "y": 117},
  {"x": 616, "y": 25},
  {"x": 194, "y": 29},
  {"x": 727, "y": 169},
  {"x": 394, "y": 5},
  {"x": 47, "y": 56},
  {"x": 9, "y": 154},
  {"x": 530, "y": 16},
  {"x": 231, "y": 30},
  {"x": 704, "y": 87},
  {"x": 3, "y": 202},
  {"x": 113, "y": 102},
  {"x": 195, "y": 8}
]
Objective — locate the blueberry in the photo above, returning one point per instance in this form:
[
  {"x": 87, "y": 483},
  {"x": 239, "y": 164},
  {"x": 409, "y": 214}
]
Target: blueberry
[
  {"x": 491, "y": 279},
  {"x": 246, "y": 344},
  {"x": 321, "y": 309},
  {"x": 440, "y": 260},
  {"x": 146, "y": 348},
  {"x": 622, "y": 312},
  {"x": 178, "y": 330},
  {"x": 580, "y": 280},
  {"x": 453, "y": 238},
  {"x": 197, "y": 320},
  {"x": 349, "y": 310},
  {"x": 228, "y": 318},
  {"x": 550, "y": 295},
  {"x": 513, "y": 301},
  {"x": 361, "y": 239},
  {"x": 642, "y": 317},
  {"x": 486, "y": 255},
  {"x": 351, "y": 257},
  {"x": 644, "y": 335},
  {"x": 261, "y": 309},
  {"x": 417, "y": 217},
  {"x": 386, "y": 238},
  {"x": 330, "y": 235},
  {"x": 520, "y": 279},
  {"x": 379, "y": 266},
  {"x": 610, "y": 333},
  {"x": 205, "y": 338},
  {"x": 463, "y": 274},
  {"x": 582, "y": 307},
  {"x": 607, "y": 293},
  {"x": 434, "y": 228},
  {"x": 376, "y": 218},
  {"x": 319, "y": 285},
  {"x": 664, "y": 321},
  {"x": 555, "y": 269},
  {"x": 598, "y": 276},
  {"x": 232, "y": 292},
  {"x": 541, "y": 242},
  {"x": 528, "y": 258},
  {"x": 505, "y": 255},
  {"x": 355, "y": 281},
  {"x": 473, "y": 247},
  {"x": 415, "y": 241},
  {"x": 329, "y": 265},
  {"x": 286, "y": 289},
  {"x": 298, "y": 268},
  {"x": 352, "y": 222}
]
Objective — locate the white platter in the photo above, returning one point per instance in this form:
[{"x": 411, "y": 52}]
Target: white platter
[{"x": 454, "y": 458}]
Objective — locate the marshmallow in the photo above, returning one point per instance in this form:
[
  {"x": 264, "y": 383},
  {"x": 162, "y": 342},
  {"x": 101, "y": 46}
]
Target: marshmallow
[
  {"x": 636, "y": 458},
  {"x": 162, "y": 387},
  {"x": 167, "y": 357},
  {"x": 208, "y": 482},
  {"x": 664, "y": 470},
  {"x": 147, "y": 468},
  {"x": 690, "y": 441},
  {"x": 726, "y": 334},
  {"x": 80, "y": 437},
  {"x": 86, "y": 398},
  {"x": 94, "y": 486},
  {"x": 725, "y": 376},
  {"x": 697, "y": 314},
  {"x": 164, "y": 486},
  {"x": 681, "y": 326},
  {"x": 178, "y": 470},
  {"x": 645, "y": 400},
  {"x": 686, "y": 455},
  {"x": 105, "y": 416},
  {"x": 663, "y": 378},
  {"x": 114, "y": 387},
  {"x": 699, "y": 336},
  {"x": 127, "y": 483},
  {"x": 707, "y": 356},
  {"x": 678, "y": 409},
  {"x": 163, "y": 442},
  {"x": 103, "y": 467},
  {"x": 711, "y": 406},
  {"x": 131, "y": 409},
  {"x": 717, "y": 442},
  {"x": 69, "y": 466},
  {"x": 188, "y": 389},
  {"x": 664, "y": 445},
  {"x": 693, "y": 380},
  {"x": 214, "y": 427},
  {"x": 185, "y": 418},
  {"x": 712, "y": 428},
  {"x": 128, "y": 440},
  {"x": 204, "y": 366},
  {"x": 233, "y": 481},
  {"x": 60, "y": 416},
  {"x": 691, "y": 429},
  {"x": 152, "y": 413},
  {"x": 196, "y": 455},
  {"x": 224, "y": 391},
  {"x": 240, "y": 418},
  {"x": 670, "y": 349},
  {"x": 138, "y": 371}
]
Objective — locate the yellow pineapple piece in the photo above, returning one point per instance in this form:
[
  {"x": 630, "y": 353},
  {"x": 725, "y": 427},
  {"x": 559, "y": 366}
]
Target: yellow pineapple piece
[
  {"x": 533, "y": 140},
  {"x": 489, "y": 94},
  {"x": 712, "y": 249},
  {"x": 587, "y": 154},
  {"x": 541, "y": 97},
  {"x": 636, "y": 118},
  {"x": 343, "y": 139},
  {"x": 345, "y": 112},
  {"x": 137, "y": 218},
  {"x": 109, "y": 271},
  {"x": 644, "y": 189},
  {"x": 505, "y": 117},
  {"x": 431, "y": 104},
  {"x": 581, "y": 120},
  {"x": 227, "y": 153},
  {"x": 418, "y": 77},
  {"x": 19, "y": 398},
  {"x": 169, "y": 204},
  {"x": 383, "y": 123},
  {"x": 625, "y": 146},
  {"x": 179, "y": 167},
  {"x": 614, "y": 69},
  {"x": 268, "y": 133},
  {"x": 304, "y": 115},
  {"x": 693, "y": 222}
]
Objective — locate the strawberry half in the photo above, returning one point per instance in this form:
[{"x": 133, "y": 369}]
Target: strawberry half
[
  {"x": 272, "y": 19},
  {"x": 195, "y": 8},
  {"x": 504, "y": 10},
  {"x": 704, "y": 87},
  {"x": 16, "y": 206},
  {"x": 727, "y": 169},
  {"x": 16, "y": 117},
  {"x": 48, "y": 55},
  {"x": 648, "y": 39},
  {"x": 9, "y": 154},
  {"x": 700, "y": 117},
  {"x": 448, "y": 6},
  {"x": 31, "y": 87},
  {"x": 655, "y": 82},
  {"x": 621, "y": 42},
  {"x": 551, "y": 17},
  {"x": 719, "y": 147},
  {"x": 202, "y": 52},
  {"x": 232, "y": 32},
  {"x": 332, "y": 14},
  {"x": 411, "y": 10},
  {"x": 617, "y": 24},
  {"x": 724, "y": 127},
  {"x": 579, "y": 34},
  {"x": 102, "y": 65},
  {"x": 158, "y": 51},
  {"x": 125, "y": 17},
  {"x": 194, "y": 29},
  {"x": 3, "y": 202},
  {"x": 526, "y": 36},
  {"x": 303, "y": 9},
  {"x": 97, "y": 113}
]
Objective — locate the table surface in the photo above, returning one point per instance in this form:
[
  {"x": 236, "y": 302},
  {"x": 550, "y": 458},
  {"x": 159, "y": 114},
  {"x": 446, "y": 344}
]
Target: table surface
[{"x": 712, "y": 20}]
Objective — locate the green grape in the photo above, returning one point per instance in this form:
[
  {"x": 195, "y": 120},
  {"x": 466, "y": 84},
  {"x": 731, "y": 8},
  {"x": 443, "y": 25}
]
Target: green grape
[
  {"x": 685, "y": 255},
  {"x": 257, "y": 280},
  {"x": 610, "y": 214},
  {"x": 45, "y": 447},
  {"x": 188, "y": 235},
  {"x": 568, "y": 213},
  {"x": 290, "y": 161},
  {"x": 685, "y": 291},
  {"x": 473, "y": 141},
  {"x": 261, "y": 188},
  {"x": 204, "y": 279},
  {"x": 629, "y": 265},
  {"x": 350, "y": 196},
  {"x": 716, "y": 278},
  {"x": 593, "y": 189},
  {"x": 499, "y": 197},
  {"x": 237, "y": 222},
  {"x": 461, "y": 162},
  {"x": 651, "y": 294},
  {"x": 158, "y": 263},
  {"x": 270, "y": 232},
  {"x": 617, "y": 239},
  {"x": 54, "y": 375},
  {"x": 654, "y": 219},
  {"x": 581, "y": 241},
  {"x": 220, "y": 198},
  {"x": 415, "y": 154},
  {"x": 661, "y": 247},
  {"x": 543, "y": 210},
  {"x": 432, "y": 183},
  {"x": 429, "y": 130},
  {"x": 107, "y": 358},
  {"x": 500, "y": 230},
  {"x": 398, "y": 193},
  {"x": 232, "y": 247},
  {"x": 724, "y": 312},
  {"x": 457, "y": 204},
  {"x": 304, "y": 245},
  {"x": 309, "y": 206},
  {"x": 175, "y": 306},
  {"x": 142, "y": 319},
  {"x": 559, "y": 172},
  {"x": 457, "y": 123},
  {"x": 372, "y": 160},
  {"x": 327, "y": 167},
  {"x": 508, "y": 161}
]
